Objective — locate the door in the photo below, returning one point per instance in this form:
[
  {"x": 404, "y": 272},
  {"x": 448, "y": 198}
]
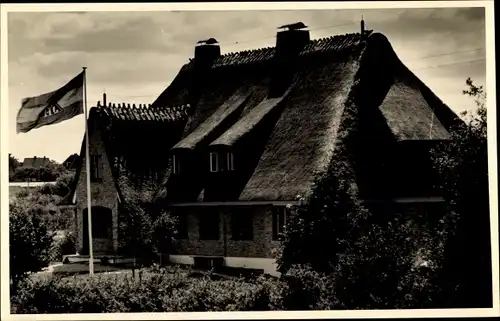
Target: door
[{"x": 102, "y": 229}]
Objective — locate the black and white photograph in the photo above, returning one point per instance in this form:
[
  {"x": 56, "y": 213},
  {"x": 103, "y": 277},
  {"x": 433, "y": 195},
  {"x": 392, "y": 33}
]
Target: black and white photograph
[{"x": 230, "y": 157}]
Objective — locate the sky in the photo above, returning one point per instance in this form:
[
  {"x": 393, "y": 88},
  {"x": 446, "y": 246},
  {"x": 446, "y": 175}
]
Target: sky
[{"x": 134, "y": 56}]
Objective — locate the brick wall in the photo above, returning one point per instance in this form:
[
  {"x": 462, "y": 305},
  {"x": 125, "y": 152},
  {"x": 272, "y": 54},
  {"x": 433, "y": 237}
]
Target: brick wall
[
  {"x": 260, "y": 247},
  {"x": 103, "y": 194}
]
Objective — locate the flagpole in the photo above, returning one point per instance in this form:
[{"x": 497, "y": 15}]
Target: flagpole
[{"x": 87, "y": 161}]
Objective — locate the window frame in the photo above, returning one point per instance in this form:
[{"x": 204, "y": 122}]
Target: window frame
[
  {"x": 183, "y": 226},
  {"x": 278, "y": 214},
  {"x": 95, "y": 168},
  {"x": 212, "y": 154},
  {"x": 176, "y": 168},
  {"x": 230, "y": 161}
]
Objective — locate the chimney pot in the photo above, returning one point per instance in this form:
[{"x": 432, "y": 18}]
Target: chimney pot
[
  {"x": 206, "y": 51},
  {"x": 293, "y": 39}
]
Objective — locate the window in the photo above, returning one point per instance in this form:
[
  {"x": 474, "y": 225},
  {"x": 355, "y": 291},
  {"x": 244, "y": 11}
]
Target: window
[
  {"x": 279, "y": 221},
  {"x": 96, "y": 168},
  {"x": 230, "y": 161},
  {"x": 176, "y": 168},
  {"x": 242, "y": 226},
  {"x": 209, "y": 224},
  {"x": 214, "y": 162},
  {"x": 182, "y": 226}
]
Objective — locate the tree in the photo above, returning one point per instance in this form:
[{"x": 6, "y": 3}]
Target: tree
[
  {"x": 61, "y": 187},
  {"x": 135, "y": 233},
  {"x": 29, "y": 243},
  {"x": 463, "y": 164},
  {"x": 329, "y": 216},
  {"x": 338, "y": 254},
  {"x": 14, "y": 163},
  {"x": 163, "y": 234},
  {"x": 50, "y": 172}
]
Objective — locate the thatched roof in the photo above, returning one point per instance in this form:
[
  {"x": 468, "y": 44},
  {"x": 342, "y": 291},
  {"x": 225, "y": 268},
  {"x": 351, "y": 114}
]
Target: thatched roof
[
  {"x": 279, "y": 117},
  {"x": 245, "y": 124},
  {"x": 228, "y": 108},
  {"x": 136, "y": 142}
]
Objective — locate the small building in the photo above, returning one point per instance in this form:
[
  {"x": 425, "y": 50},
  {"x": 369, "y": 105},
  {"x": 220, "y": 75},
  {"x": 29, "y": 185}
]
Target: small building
[
  {"x": 235, "y": 138},
  {"x": 35, "y": 162},
  {"x": 71, "y": 163}
]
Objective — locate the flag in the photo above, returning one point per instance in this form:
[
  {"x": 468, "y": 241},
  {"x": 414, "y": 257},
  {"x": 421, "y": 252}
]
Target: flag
[{"x": 53, "y": 107}]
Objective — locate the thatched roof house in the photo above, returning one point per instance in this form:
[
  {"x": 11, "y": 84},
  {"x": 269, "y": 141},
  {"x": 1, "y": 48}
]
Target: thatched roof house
[{"x": 236, "y": 137}]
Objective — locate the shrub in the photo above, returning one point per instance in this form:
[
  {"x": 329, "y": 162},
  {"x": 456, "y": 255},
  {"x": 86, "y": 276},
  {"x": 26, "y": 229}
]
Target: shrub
[
  {"x": 64, "y": 245},
  {"x": 135, "y": 232},
  {"x": 157, "y": 290},
  {"x": 29, "y": 242},
  {"x": 62, "y": 186},
  {"x": 163, "y": 234},
  {"x": 45, "y": 207},
  {"x": 464, "y": 167}
]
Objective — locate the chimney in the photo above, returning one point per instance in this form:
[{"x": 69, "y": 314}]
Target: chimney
[
  {"x": 289, "y": 43},
  {"x": 362, "y": 26},
  {"x": 206, "y": 51},
  {"x": 104, "y": 99},
  {"x": 293, "y": 39}
]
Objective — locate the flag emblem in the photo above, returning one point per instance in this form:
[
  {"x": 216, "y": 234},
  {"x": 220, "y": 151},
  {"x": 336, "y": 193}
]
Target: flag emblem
[{"x": 53, "y": 107}]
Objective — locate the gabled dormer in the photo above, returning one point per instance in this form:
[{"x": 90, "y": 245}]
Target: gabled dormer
[
  {"x": 181, "y": 161},
  {"x": 221, "y": 161}
]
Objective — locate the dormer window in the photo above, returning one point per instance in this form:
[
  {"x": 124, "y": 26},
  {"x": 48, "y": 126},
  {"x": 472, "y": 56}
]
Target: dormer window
[
  {"x": 230, "y": 161},
  {"x": 214, "y": 162},
  {"x": 176, "y": 169}
]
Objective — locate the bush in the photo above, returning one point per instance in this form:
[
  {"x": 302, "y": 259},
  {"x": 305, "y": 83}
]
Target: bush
[
  {"x": 44, "y": 206},
  {"x": 135, "y": 233},
  {"x": 62, "y": 186},
  {"x": 464, "y": 167},
  {"x": 64, "y": 245},
  {"x": 158, "y": 290},
  {"x": 163, "y": 235},
  {"x": 29, "y": 242}
]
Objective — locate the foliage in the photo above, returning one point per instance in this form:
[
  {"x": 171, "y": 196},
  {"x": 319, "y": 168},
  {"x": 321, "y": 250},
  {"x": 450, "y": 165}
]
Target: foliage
[
  {"x": 163, "y": 234},
  {"x": 63, "y": 245},
  {"x": 29, "y": 243},
  {"x": 464, "y": 167},
  {"x": 14, "y": 163},
  {"x": 61, "y": 187},
  {"x": 154, "y": 290},
  {"x": 371, "y": 261},
  {"x": 45, "y": 207},
  {"x": 135, "y": 232},
  {"x": 338, "y": 253},
  {"x": 48, "y": 173}
]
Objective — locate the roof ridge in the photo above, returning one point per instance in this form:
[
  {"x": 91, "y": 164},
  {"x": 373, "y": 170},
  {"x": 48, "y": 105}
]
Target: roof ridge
[
  {"x": 132, "y": 106},
  {"x": 143, "y": 112},
  {"x": 337, "y": 42},
  {"x": 312, "y": 41}
]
